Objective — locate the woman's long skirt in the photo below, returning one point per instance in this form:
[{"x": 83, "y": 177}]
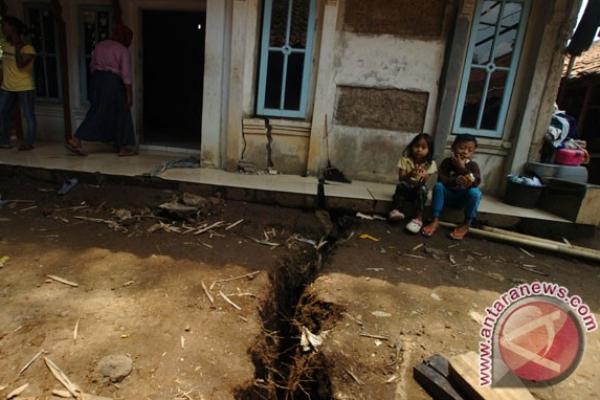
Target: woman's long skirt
[{"x": 109, "y": 118}]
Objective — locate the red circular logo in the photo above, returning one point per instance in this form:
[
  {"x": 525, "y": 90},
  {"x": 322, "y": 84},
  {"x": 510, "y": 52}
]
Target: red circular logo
[{"x": 540, "y": 341}]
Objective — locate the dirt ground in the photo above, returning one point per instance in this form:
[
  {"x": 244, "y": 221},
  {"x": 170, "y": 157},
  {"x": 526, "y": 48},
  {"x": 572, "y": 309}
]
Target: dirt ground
[
  {"x": 141, "y": 294},
  {"x": 428, "y": 304}
]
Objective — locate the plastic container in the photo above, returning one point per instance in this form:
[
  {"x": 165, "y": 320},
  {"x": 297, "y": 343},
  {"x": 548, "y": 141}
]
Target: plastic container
[
  {"x": 543, "y": 170},
  {"x": 566, "y": 172},
  {"x": 521, "y": 195},
  {"x": 563, "y": 198},
  {"x": 573, "y": 174},
  {"x": 570, "y": 157}
]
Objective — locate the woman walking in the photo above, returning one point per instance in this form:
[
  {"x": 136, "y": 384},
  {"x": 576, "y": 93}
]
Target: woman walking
[
  {"x": 109, "y": 117},
  {"x": 17, "y": 82}
]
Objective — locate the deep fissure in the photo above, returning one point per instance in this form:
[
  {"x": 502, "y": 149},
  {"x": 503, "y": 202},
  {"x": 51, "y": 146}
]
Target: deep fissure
[{"x": 283, "y": 371}]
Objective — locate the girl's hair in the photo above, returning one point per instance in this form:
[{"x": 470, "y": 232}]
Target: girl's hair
[
  {"x": 16, "y": 23},
  {"x": 421, "y": 136}
]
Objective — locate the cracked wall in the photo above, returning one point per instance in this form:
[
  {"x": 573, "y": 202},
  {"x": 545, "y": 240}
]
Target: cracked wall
[{"x": 389, "y": 59}]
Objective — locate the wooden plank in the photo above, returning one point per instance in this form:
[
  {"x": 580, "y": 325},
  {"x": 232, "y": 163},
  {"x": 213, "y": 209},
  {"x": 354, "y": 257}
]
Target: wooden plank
[
  {"x": 432, "y": 374},
  {"x": 589, "y": 212},
  {"x": 464, "y": 374}
]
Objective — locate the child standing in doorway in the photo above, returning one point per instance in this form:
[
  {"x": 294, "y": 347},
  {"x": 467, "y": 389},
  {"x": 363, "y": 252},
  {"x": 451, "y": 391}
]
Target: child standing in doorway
[
  {"x": 415, "y": 168},
  {"x": 458, "y": 186}
]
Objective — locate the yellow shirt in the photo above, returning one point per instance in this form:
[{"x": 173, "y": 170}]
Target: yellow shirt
[
  {"x": 407, "y": 164},
  {"x": 16, "y": 79}
]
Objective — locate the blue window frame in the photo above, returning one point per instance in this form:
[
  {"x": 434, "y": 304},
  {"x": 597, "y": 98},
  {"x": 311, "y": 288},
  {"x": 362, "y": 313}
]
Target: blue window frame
[
  {"x": 286, "y": 57},
  {"x": 44, "y": 38},
  {"x": 490, "y": 68},
  {"x": 95, "y": 26}
]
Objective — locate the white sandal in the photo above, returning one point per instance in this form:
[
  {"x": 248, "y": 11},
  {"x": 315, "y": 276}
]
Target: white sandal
[{"x": 414, "y": 226}]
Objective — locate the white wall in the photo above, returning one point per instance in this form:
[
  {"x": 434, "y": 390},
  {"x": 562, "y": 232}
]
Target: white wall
[{"x": 384, "y": 62}]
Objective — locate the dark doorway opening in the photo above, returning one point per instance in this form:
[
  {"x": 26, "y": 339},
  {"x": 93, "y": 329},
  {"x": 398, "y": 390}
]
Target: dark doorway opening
[{"x": 173, "y": 77}]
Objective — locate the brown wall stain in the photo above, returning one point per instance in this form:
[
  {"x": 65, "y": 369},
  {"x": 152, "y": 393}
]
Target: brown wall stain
[
  {"x": 408, "y": 18},
  {"x": 370, "y": 157},
  {"x": 390, "y": 109}
]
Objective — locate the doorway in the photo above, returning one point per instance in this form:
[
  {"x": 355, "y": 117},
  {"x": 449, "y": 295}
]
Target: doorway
[{"x": 173, "y": 77}]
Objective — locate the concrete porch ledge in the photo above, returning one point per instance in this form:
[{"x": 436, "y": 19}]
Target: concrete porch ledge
[{"x": 52, "y": 160}]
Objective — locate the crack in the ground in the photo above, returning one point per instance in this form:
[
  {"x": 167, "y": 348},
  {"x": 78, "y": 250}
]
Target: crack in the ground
[{"x": 283, "y": 371}]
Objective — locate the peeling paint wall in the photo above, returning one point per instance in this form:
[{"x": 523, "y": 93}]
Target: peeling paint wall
[
  {"x": 392, "y": 109},
  {"x": 380, "y": 48},
  {"x": 410, "y": 18}
]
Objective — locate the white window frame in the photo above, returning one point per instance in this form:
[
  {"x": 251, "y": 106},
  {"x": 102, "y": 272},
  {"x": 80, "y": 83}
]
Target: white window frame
[
  {"x": 498, "y": 132},
  {"x": 286, "y": 49}
]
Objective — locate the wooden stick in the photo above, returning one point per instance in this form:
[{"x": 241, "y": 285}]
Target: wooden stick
[
  {"x": 17, "y": 391},
  {"x": 528, "y": 254},
  {"x": 234, "y": 224},
  {"x": 532, "y": 268},
  {"x": 414, "y": 256},
  {"x": 251, "y": 275},
  {"x": 373, "y": 336},
  {"x": 61, "y": 377},
  {"x": 513, "y": 233},
  {"x": 63, "y": 281},
  {"x": 98, "y": 220},
  {"x": 20, "y": 201},
  {"x": 33, "y": 359},
  {"x": 76, "y": 331},
  {"x": 353, "y": 376},
  {"x": 207, "y": 293},
  {"x": 208, "y": 228},
  {"x": 532, "y": 241},
  {"x": 227, "y": 299}
]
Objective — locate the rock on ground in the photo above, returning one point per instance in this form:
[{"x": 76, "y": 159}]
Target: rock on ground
[{"x": 116, "y": 367}]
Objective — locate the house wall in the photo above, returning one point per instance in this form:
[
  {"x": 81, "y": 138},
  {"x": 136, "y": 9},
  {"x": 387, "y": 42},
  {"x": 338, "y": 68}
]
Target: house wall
[
  {"x": 50, "y": 114},
  {"x": 374, "y": 85},
  {"x": 536, "y": 84},
  {"x": 389, "y": 56},
  {"x": 383, "y": 71}
]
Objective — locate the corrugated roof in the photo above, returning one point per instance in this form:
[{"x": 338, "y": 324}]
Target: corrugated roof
[{"x": 587, "y": 63}]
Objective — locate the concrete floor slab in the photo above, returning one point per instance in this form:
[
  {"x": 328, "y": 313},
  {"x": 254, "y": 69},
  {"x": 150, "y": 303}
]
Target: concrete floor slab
[{"x": 369, "y": 196}]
